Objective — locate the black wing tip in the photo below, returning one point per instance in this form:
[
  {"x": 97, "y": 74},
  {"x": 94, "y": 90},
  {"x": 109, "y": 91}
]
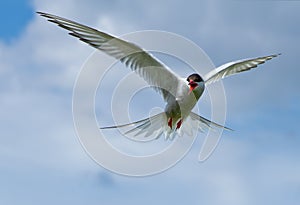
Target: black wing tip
[
  {"x": 270, "y": 56},
  {"x": 229, "y": 129},
  {"x": 275, "y": 55},
  {"x": 108, "y": 127},
  {"x": 43, "y": 14},
  {"x": 50, "y": 17}
]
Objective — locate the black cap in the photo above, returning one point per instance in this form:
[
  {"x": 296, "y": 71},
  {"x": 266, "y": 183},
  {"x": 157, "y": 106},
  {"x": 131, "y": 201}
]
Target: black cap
[{"x": 195, "y": 77}]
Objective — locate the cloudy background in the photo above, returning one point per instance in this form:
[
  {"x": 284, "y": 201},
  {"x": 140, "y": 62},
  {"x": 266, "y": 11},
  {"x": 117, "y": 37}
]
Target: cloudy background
[{"x": 42, "y": 160}]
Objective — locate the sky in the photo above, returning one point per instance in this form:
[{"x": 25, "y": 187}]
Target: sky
[{"x": 42, "y": 160}]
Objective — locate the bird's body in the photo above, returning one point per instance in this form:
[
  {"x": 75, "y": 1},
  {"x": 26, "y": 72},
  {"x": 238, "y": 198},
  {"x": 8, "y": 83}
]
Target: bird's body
[
  {"x": 180, "y": 94},
  {"x": 180, "y": 106}
]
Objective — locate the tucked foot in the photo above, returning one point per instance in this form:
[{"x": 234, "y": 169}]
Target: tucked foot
[
  {"x": 170, "y": 122},
  {"x": 178, "y": 124}
]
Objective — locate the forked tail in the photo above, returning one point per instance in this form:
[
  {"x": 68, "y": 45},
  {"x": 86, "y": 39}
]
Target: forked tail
[{"x": 157, "y": 125}]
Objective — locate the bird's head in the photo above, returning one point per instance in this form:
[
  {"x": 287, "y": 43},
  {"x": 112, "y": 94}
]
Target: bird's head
[{"x": 195, "y": 81}]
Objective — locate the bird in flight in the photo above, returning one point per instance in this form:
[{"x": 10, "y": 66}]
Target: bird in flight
[{"x": 180, "y": 94}]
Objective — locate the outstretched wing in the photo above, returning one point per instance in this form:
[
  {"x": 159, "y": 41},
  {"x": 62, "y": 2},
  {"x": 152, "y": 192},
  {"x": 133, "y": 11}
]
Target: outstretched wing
[
  {"x": 235, "y": 67},
  {"x": 154, "y": 72}
]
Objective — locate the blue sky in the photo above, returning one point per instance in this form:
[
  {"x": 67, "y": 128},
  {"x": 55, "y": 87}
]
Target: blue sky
[
  {"x": 15, "y": 15},
  {"x": 42, "y": 160}
]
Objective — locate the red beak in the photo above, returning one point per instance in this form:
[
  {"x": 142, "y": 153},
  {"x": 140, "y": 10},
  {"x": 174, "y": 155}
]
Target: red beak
[
  {"x": 191, "y": 89},
  {"x": 192, "y": 85}
]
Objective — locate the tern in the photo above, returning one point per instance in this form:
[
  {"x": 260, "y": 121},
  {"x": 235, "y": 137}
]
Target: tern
[{"x": 180, "y": 94}]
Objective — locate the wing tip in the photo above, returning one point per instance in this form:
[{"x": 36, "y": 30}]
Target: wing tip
[
  {"x": 275, "y": 55},
  {"x": 228, "y": 129},
  {"x": 43, "y": 14}
]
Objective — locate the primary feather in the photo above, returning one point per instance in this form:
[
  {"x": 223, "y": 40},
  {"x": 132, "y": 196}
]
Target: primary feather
[{"x": 235, "y": 67}]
